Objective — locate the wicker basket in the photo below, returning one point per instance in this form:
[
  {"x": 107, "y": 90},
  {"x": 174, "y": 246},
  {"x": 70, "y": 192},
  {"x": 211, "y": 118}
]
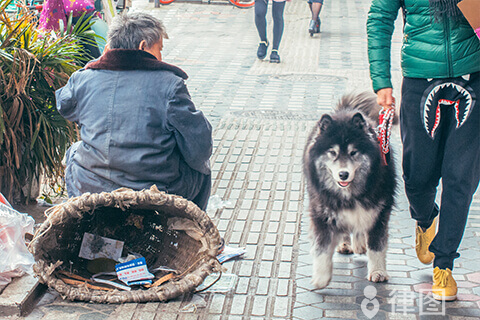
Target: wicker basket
[{"x": 142, "y": 219}]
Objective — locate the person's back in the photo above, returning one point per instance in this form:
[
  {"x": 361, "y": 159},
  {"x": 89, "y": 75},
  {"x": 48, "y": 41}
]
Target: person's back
[{"x": 138, "y": 126}]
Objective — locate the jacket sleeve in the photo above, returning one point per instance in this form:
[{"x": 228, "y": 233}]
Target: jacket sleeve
[
  {"x": 66, "y": 101},
  {"x": 380, "y": 26},
  {"x": 192, "y": 130}
]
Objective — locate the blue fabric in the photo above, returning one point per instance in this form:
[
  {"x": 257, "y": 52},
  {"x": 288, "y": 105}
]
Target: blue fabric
[{"x": 138, "y": 128}]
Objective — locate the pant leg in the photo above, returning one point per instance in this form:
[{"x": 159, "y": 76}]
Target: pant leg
[
  {"x": 71, "y": 182},
  {"x": 192, "y": 185},
  {"x": 201, "y": 199},
  {"x": 260, "y": 18},
  {"x": 278, "y": 22},
  {"x": 460, "y": 169},
  {"x": 422, "y": 156}
]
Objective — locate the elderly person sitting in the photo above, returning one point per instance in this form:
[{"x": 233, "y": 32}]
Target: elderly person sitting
[{"x": 138, "y": 124}]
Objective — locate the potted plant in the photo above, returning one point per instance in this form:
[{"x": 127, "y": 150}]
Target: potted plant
[{"x": 33, "y": 135}]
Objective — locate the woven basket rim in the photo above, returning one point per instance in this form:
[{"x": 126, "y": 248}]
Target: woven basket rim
[{"x": 124, "y": 198}]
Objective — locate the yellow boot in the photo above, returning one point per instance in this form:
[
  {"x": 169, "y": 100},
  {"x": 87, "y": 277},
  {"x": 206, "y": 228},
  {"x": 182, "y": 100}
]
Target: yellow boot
[
  {"x": 444, "y": 286},
  {"x": 422, "y": 242}
]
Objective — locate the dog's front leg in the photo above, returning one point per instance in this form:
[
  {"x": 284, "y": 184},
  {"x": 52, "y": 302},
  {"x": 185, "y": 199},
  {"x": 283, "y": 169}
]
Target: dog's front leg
[
  {"x": 377, "y": 266},
  {"x": 322, "y": 252},
  {"x": 377, "y": 252}
]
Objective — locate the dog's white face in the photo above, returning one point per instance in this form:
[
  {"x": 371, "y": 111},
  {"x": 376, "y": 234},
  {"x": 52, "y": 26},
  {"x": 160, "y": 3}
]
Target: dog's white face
[{"x": 343, "y": 164}]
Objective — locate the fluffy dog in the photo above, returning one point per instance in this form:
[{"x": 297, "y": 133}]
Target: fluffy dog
[{"x": 351, "y": 190}]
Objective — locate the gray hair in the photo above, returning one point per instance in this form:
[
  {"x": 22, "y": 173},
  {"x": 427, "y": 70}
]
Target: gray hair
[{"x": 128, "y": 30}]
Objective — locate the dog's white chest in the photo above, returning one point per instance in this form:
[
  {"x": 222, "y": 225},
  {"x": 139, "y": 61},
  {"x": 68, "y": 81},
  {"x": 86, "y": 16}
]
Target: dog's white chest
[{"x": 358, "y": 218}]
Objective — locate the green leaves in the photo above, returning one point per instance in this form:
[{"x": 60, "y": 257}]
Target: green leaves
[{"x": 33, "y": 135}]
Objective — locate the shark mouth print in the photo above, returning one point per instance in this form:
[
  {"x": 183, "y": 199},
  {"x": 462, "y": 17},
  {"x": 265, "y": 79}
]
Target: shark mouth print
[{"x": 460, "y": 99}]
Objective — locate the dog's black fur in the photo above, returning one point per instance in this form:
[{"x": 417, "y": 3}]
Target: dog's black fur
[{"x": 343, "y": 145}]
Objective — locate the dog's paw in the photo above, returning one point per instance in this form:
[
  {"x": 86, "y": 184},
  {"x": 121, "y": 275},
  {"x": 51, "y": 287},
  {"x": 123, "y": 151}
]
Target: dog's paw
[
  {"x": 359, "y": 249},
  {"x": 344, "y": 248},
  {"x": 378, "y": 276},
  {"x": 320, "y": 281}
]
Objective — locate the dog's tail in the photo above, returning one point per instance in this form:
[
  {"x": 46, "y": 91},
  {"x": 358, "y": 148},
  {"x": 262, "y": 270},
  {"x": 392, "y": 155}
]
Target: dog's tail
[{"x": 366, "y": 102}]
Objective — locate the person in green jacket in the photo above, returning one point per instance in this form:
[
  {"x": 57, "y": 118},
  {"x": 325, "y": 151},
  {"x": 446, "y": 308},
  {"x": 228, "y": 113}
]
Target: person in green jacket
[{"x": 439, "y": 120}]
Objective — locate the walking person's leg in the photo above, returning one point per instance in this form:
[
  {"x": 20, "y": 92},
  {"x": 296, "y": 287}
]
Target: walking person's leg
[
  {"x": 315, "y": 8},
  {"x": 440, "y": 139},
  {"x": 261, "y": 24},
  {"x": 422, "y": 159},
  {"x": 278, "y": 7},
  {"x": 460, "y": 178}
]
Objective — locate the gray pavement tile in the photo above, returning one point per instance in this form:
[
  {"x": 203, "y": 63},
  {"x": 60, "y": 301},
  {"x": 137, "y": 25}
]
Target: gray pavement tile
[
  {"x": 242, "y": 285},
  {"x": 308, "y": 313},
  {"x": 344, "y": 278},
  {"x": 351, "y": 314},
  {"x": 422, "y": 275},
  {"x": 282, "y": 307},
  {"x": 402, "y": 280},
  {"x": 434, "y": 317},
  {"x": 238, "y": 304},
  {"x": 259, "y": 305},
  {"x": 67, "y": 308},
  {"x": 337, "y": 306},
  {"x": 476, "y": 291},
  {"x": 339, "y": 292},
  {"x": 309, "y": 297},
  {"x": 283, "y": 287},
  {"x": 93, "y": 316},
  {"x": 305, "y": 283}
]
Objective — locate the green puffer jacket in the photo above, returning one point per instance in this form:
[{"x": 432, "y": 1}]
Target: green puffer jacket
[{"x": 430, "y": 50}]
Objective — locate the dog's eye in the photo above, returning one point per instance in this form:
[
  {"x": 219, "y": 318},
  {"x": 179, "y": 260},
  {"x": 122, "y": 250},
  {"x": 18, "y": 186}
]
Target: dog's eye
[
  {"x": 332, "y": 153},
  {"x": 353, "y": 153}
]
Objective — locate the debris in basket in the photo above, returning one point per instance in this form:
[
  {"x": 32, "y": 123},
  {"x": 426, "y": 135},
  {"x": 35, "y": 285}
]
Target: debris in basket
[
  {"x": 96, "y": 278},
  {"x": 162, "y": 280},
  {"x": 164, "y": 269},
  {"x": 131, "y": 256},
  {"x": 101, "y": 265},
  {"x": 132, "y": 271},
  {"x": 94, "y": 246},
  {"x": 230, "y": 253},
  {"x": 76, "y": 280}
]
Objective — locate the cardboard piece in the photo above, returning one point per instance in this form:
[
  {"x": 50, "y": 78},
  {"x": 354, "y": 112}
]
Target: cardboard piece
[
  {"x": 94, "y": 247},
  {"x": 471, "y": 11}
]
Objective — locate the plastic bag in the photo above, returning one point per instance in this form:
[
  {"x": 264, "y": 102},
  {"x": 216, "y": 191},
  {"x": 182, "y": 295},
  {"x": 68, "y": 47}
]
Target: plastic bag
[{"x": 15, "y": 257}]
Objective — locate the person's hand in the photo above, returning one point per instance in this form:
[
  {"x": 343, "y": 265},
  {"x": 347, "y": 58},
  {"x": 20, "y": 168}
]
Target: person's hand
[{"x": 385, "y": 98}]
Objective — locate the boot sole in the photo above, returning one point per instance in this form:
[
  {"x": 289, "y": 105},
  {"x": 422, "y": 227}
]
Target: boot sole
[{"x": 442, "y": 298}]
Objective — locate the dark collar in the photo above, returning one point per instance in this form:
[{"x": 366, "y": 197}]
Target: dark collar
[{"x": 124, "y": 59}]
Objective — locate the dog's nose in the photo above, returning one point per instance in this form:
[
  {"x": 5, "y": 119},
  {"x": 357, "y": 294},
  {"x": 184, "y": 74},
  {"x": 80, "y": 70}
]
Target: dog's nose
[{"x": 343, "y": 175}]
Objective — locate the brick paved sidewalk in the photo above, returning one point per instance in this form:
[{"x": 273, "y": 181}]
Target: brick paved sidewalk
[{"x": 262, "y": 113}]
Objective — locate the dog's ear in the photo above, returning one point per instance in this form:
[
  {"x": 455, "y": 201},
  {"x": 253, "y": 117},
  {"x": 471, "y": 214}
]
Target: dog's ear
[
  {"x": 324, "y": 122},
  {"x": 358, "y": 121}
]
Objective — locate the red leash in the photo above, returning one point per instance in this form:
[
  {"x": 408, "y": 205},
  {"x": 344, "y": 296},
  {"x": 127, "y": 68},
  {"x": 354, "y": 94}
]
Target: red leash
[{"x": 385, "y": 121}]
